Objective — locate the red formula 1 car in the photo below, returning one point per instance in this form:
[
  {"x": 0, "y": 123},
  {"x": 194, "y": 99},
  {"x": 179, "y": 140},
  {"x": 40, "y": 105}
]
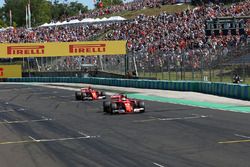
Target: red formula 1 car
[
  {"x": 89, "y": 94},
  {"x": 122, "y": 104}
]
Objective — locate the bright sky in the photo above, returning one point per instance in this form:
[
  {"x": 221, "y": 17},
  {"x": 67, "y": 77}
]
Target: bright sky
[{"x": 89, "y": 3}]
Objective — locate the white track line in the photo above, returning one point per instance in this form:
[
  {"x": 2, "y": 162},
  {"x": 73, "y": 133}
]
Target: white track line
[
  {"x": 6, "y": 121},
  {"x": 5, "y": 111},
  {"x": 158, "y": 164},
  {"x": 243, "y": 136},
  {"x": 81, "y": 133},
  {"x": 33, "y": 140},
  {"x": 172, "y": 119},
  {"x": 65, "y": 139},
  {"x": 67, "y": 96},
  {"x": 12, "y": 110},
  {"x": 25, "y": 121}
]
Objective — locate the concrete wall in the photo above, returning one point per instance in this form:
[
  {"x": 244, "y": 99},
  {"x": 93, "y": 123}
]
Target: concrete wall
[{"x": 238, "y": 91}]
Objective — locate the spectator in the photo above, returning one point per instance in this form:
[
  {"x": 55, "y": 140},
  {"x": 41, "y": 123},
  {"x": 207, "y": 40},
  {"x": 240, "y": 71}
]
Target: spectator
[
  {"x": 156, "y": 40},
  {"x": 236, "y": 79}
]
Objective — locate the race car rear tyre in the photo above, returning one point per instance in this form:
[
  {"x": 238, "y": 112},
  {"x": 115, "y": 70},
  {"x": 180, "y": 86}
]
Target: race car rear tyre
[
  {"x": 135, "y": 104},
  {"x": 106, "y": 106},
  {"x": 103, "y": 94},
  {"x": 78, "y": 95},
  {"x": 141, "y": 104}
]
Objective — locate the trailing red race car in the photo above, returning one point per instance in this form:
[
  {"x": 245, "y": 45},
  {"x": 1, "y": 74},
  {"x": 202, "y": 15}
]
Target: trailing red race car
[
  {"x": 122, "y": 104},
  {"x": 89, "y": 94}
]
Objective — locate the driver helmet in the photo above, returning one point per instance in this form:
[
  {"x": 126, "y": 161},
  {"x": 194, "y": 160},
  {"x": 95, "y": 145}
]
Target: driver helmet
[
  {"x": 124, "y": 99},
  {"x": 123, "y": 96}
]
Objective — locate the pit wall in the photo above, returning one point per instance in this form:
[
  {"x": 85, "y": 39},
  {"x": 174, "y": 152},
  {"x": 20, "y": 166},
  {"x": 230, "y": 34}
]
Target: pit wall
[{"x": 237, "y": 91}]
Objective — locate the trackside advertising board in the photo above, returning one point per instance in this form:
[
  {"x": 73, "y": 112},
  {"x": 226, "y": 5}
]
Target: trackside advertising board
[
  {"x": 10, "y": 71},
  {"x": 52, "y": 49}
]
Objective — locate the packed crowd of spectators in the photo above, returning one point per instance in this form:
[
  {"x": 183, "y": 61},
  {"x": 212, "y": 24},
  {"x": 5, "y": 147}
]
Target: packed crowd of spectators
[
  {"x": 170, "y": 36},
  {"x": 130, "y": 6},
  {"x": 155, "y": 41},
  {"x": 54, "y": 34}
]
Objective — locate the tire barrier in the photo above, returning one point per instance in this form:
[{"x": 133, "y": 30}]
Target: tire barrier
[{"x": 238, "y": 91}]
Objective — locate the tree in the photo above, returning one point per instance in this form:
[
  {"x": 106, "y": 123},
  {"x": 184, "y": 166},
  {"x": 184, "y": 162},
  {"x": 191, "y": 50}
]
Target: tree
[
  {"x": 58, "y": 10},
  {"x": 67, "y": 10},
  {"x": 74, "y": 8},
  {"x": 2, "y": 24},
  {"x": 2, "y": 18},
  {"x": 40, "y": 11},
  {"x": 106, "y": 3}
]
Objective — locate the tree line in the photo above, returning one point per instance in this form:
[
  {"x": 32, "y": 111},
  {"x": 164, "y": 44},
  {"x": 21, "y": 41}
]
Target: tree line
[{"x": 43, "y": 11}]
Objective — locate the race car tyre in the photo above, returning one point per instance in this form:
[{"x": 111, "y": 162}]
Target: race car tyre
[
  {"x": 78, "y": 95},
  {"x": 113, "y": 107},
  {"x": 103, "y": 94},
  {"x": 83, "y": 95},
  {"x": 141, "y": 104},
  {"x": 135, "y": 104},
  {"x": 106, "y": 106}
]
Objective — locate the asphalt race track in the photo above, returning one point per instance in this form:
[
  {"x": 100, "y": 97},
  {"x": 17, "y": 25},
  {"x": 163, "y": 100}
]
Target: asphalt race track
[{"x": 45, "y": 127}]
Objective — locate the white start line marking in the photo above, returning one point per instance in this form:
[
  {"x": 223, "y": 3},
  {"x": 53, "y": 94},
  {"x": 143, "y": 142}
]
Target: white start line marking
[{"x": 33, "y": 140}]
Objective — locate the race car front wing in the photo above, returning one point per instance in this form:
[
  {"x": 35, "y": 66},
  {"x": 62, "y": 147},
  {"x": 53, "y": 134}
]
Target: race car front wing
[
  {"x": 136, "y": 110},
  {"x": 91, "y": 98}
]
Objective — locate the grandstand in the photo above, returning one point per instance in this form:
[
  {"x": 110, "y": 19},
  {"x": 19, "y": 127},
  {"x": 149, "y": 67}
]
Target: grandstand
[{"x": 164, "y": 46}]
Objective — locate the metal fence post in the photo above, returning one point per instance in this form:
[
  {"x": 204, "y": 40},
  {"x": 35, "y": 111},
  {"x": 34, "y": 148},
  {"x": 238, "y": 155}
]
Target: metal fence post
[{"x": 126, "y": 59}]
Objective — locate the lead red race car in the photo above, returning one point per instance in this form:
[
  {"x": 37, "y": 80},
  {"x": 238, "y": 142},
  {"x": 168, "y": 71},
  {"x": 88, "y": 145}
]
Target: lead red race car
[
  {"x": 89, "y": 94},
  {"x": 121, "y": 104}
]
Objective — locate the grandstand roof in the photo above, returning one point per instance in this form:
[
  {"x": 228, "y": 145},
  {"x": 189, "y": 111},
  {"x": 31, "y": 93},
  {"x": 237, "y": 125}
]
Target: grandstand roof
[{"x": 86, "y": 20}]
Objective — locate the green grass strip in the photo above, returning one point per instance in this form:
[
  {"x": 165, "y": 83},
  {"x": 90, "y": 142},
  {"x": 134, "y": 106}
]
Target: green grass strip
[{"x": 225, "y": 107}]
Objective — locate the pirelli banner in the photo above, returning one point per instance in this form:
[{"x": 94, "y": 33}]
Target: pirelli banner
[
  {"x": 10, "y": 71},
  {"x": 62, "y": 49}
]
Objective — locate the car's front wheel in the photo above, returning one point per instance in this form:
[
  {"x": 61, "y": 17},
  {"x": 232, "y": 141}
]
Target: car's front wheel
[
  {"x": 113, "y": 108},
  {"x": 141, "y": 104},
  {"x": 78, "y": 96},
  {"x": 83, "y": 96}
]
